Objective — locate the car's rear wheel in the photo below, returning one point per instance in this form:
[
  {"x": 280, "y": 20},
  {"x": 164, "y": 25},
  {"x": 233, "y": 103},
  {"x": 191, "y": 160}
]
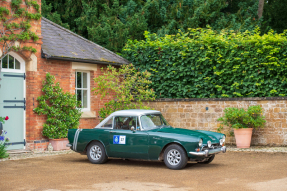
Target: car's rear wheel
[
  {"x": 96, "y": 153},
  {"x": 208, "y": 160},
  {"x": 175, "y": 157}
]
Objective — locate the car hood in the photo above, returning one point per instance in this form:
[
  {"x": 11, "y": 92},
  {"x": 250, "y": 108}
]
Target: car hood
[{"x": 205, "y": 135}]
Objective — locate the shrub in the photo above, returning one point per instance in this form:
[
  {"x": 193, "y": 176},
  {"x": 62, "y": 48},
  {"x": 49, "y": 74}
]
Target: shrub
[
  {"x": 60, "y": 108},
  {"x": 128, "y": 87},
  {"x": 3, "y": 140},
  {"x": 238, "y": 118},
  {"x": 207, "y": 64}
]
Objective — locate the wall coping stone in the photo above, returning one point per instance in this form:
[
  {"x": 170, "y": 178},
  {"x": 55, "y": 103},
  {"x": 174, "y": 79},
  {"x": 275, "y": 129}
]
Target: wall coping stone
[{"x": 218, "y": 99}]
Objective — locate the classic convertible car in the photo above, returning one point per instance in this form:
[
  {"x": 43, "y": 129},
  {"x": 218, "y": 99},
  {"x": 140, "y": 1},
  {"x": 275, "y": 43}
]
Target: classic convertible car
[{"x": 145, "y": 134}]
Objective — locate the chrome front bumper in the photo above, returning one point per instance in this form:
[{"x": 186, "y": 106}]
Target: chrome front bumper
[{"x": 209, "y": 152}]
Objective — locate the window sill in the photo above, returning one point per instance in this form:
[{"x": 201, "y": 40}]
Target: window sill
[{"x": 88, "y": 115}]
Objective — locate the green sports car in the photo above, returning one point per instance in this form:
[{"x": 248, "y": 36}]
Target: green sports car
[{"x": 145, "y": 134}]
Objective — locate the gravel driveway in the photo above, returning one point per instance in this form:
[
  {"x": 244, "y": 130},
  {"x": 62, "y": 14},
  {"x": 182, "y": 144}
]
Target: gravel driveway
[{"x": 72, "y": 171}]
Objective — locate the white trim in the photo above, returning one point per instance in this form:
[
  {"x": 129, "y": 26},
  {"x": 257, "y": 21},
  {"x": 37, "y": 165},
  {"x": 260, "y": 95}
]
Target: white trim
[
  {"x": 22, "y": 64},
  {"x": 25, "y": 108},
  {"x": 88, "y": 89},
  {"x": 84, "y": 66}
]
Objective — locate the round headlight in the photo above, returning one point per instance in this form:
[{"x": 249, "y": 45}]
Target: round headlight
[
  {"x": 209, "y": 144},
  {"x": 223, "y": 138},
  {"x": 200, "y": 143},
  {"x": 221, "y": 141}
]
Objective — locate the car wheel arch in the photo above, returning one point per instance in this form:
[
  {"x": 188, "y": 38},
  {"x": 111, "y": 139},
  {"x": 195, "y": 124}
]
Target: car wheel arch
[
  {"x": 85, "y": 150},
  {"x": 160, "y": 158}
]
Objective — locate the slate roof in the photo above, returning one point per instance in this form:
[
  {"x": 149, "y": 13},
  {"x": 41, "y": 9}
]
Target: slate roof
[{"x": 62, "y": 44}]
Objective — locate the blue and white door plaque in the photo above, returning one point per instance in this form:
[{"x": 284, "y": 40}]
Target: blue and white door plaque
[{"x": 119, "y": 139}]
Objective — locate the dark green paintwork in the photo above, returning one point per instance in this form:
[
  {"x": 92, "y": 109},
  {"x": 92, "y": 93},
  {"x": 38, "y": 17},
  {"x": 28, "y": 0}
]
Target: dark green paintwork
[{"x": 143, "y": 144}]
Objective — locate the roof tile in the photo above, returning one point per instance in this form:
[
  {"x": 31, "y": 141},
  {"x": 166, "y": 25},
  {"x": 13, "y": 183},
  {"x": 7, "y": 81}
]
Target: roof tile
[{"x": 61, "y": 42}]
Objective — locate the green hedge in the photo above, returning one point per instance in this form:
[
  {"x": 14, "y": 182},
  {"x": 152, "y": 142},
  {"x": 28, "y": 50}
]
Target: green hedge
[{"x": 205, "y": 64}]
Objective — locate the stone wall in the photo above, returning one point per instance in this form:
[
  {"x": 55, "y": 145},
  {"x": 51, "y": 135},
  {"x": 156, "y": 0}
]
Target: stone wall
[{"x": 203, "y": 114}]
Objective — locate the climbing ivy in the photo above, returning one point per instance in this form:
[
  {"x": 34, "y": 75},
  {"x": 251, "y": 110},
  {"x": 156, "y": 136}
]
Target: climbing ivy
[
  {"x": 60, "y": 108},
  {"x": 204, "y": 63}
]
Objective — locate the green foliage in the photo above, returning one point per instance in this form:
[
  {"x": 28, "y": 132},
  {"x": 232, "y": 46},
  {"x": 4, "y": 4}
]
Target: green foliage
[
  {"x": 111, "y": 23},
  {"x": 3, "y": 151},
  {"x": 126, "y": 85},
  {"x": 204, "y": 63},
  {"x": 239, "y": 118},
  {"x": 60, "y": 108},
  {"x": 275, "y": 16},
  {"x": 16, "y": 25},
  {"x": 3, "y": 140}
]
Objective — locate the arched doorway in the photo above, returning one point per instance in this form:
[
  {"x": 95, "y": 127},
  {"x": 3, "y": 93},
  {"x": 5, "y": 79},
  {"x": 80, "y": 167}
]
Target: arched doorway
[{"x": 12, "y": 99}]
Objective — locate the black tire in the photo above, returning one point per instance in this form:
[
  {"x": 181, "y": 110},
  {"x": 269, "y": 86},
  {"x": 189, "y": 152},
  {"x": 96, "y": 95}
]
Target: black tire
[
  {"x": 175, "y": 157},
  {"x": 208, "y": 161},
  {"x": 96, "y": 153}
]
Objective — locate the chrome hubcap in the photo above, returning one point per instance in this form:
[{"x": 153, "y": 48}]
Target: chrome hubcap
[
  {"x": 173, "y": 157},
  {"x": 95, "y": 152}
]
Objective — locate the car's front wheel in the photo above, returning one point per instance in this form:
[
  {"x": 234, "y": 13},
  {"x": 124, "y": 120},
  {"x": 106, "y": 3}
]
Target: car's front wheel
[
  {"x": 175, "y": 157},
  {"x": 96, "y": 153}
]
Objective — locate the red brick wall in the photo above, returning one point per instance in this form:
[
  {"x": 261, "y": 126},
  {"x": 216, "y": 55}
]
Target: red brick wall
[
  {"x": 65, "y": 75},
  {"x": 62, "y": 72}
]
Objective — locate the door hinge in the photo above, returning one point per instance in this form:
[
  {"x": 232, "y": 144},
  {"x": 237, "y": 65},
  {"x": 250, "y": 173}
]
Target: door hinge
[{"x": 13, "y": 75}]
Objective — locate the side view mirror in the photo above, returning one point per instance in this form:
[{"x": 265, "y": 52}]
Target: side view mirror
[{"x": 132, "y": 128}]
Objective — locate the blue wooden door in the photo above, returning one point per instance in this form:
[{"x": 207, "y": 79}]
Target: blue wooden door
[{"x": 12, "y": 104}]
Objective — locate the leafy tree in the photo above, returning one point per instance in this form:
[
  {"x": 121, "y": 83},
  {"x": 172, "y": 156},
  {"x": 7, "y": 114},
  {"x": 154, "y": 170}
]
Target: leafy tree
[
  {"x": 275, "y": 16},
  {"x": 111, "y": 23},
  {"x": 128, "y": 86},
  {"x": 15, "y": 25}
]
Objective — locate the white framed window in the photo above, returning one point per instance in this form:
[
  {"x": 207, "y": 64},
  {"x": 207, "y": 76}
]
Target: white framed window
[
  {"x": 13, "y": 63},
  {"x": 82, "y": 89}
]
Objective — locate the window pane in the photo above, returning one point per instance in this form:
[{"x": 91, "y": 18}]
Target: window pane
[
  {"x": 5, "y": 62},
  {"x": 79, "y": 79},
  {"x": 79, "y": 96},
  {"x": 109, "y": 123},
  {"x": 85, "y": 79},
  {"x": 85, "y": 99},
  {"x": 125, "y": 123},
  {"x": 17, "y": 64},
  {"x": 11, "y": 62}
]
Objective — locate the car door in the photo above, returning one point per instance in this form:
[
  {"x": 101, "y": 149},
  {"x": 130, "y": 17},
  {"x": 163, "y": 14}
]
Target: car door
[{"x": 125, "y": 143}]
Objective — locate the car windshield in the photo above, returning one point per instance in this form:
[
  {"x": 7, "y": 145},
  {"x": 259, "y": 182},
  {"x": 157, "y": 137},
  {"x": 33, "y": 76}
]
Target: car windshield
[{"x": 152, "y": 121}]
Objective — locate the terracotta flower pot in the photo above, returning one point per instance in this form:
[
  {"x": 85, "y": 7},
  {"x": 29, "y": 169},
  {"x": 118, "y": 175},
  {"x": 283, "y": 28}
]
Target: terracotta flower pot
[
  {"x": 243, "y": 137},
  {"x": 59, "y": 144}
]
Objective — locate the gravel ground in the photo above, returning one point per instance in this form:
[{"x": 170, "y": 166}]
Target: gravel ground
[
  {"x": 230, "y": 148},
  {"x": 35, "y": 154},
  {"x": 257, "y": 171}
]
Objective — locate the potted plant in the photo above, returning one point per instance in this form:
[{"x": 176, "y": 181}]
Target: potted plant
[
  {"x": 61, "y": 110},
  {"x": 243, "y": 122}
]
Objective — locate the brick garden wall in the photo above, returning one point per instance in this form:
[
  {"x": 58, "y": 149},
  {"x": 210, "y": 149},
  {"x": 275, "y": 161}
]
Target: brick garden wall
[{"x": 203, "y": 114}]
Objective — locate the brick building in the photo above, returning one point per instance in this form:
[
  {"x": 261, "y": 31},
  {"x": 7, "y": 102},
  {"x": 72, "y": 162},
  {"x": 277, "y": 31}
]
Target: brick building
[{"x": 72, "y": 59}]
